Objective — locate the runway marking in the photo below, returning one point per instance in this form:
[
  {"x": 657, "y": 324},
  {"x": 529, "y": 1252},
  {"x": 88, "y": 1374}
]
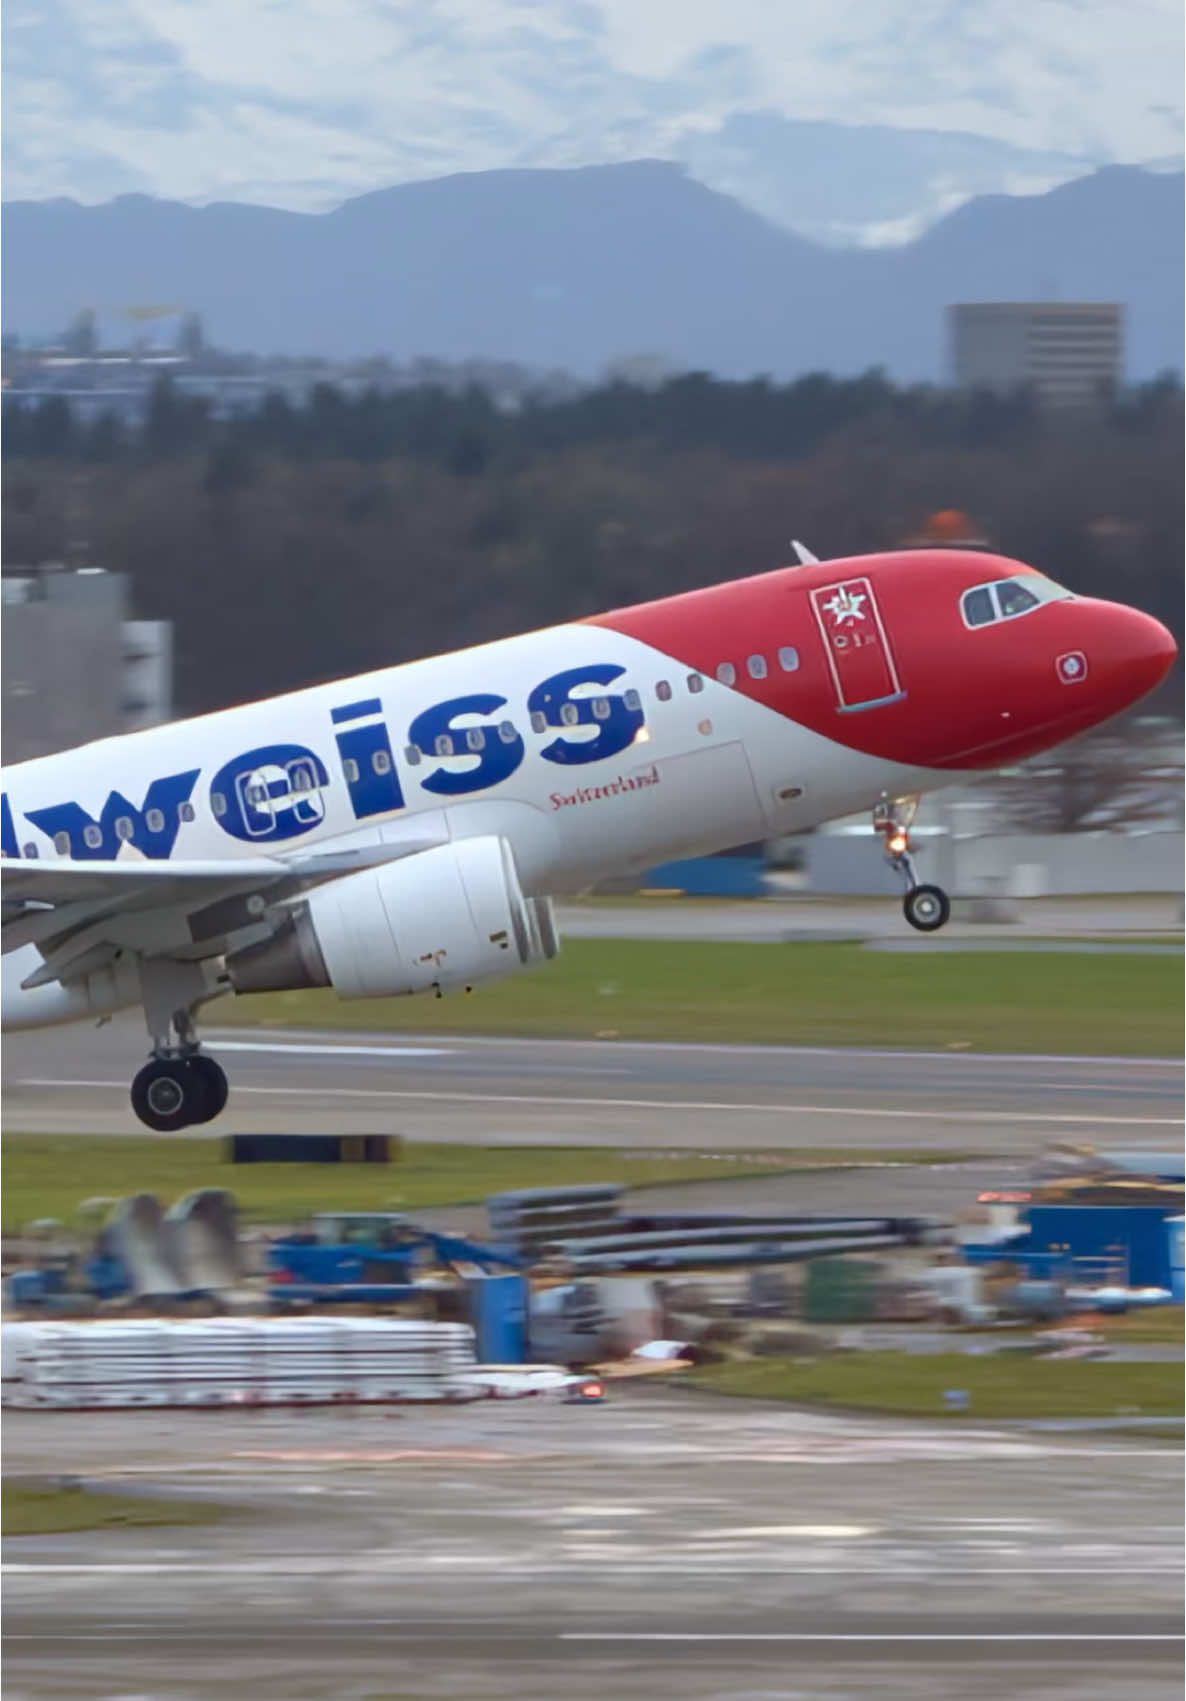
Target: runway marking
[
  {"x": 381, "y": 1456},
  {"x": 852, "y": 1636},
  {"x": 325, "y": 1631},
  {"x": 560, "y": 1100},
  {"x": 313, "y": 1050},
  {"x": 826, "y": 1532},
  {"x": 896, "y": 1568},
  {"x": 752, "y": 1050}
]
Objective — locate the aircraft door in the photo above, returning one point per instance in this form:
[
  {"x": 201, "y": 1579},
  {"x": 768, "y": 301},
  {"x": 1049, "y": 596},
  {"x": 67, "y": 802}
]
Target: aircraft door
[{"x": 860, "y": 661}]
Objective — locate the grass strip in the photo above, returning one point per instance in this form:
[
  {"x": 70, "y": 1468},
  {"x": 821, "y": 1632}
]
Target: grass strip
[
  {"x": 51, "y": 1175},
  {"x": 36, "y": 1509},
  {"x": 769, "y": 993},
  {"x": 999, "y": 1385}
]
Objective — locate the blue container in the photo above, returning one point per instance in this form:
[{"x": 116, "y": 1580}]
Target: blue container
[
  {"x": 1173, "y": 1235},
  {"x": 1129, "y": 1240},
  {"x": 498, "y": 1312},
  {"x": 712, "y": 876}
]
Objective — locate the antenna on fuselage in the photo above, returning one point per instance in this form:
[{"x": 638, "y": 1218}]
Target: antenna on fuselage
[{"x": 803, "y": 555}]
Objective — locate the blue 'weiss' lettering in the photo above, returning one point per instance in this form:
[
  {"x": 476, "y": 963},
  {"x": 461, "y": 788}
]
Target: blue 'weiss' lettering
[
  {"x": 616, "y": 723},
  {"x": 10, "y": 845},
  {"x": 275, "y": 791},
  {"x": 372, "y": 783},
  {"x": 272, "y": 792},
  {"x": 153, "y": 827},
  {"x": 499, "y": 750}
]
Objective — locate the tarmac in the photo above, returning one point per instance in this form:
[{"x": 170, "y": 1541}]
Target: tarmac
[
  {"x": 627, "y": 1095},
  {"x": 665, "y": 1544}
]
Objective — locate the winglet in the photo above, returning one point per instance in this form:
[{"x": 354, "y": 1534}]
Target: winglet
[{"x": 803, "y": 554}]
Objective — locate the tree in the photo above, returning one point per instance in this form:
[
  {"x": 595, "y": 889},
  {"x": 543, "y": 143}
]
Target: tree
[
  {"x": 82, "y": 338},
  {"x": 191, "y": 340},
  {"x": 1117, "y": 776}
]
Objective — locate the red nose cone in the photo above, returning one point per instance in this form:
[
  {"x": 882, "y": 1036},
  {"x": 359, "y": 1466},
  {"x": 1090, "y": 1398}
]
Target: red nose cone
[{"x": 1140, "y": 652}]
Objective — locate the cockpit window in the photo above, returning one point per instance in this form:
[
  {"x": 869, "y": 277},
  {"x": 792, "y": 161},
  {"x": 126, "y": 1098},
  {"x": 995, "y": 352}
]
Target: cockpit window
[
  {"x": 1014, "y": 598},
  {"x": 979, "y": 607},
  {"x": 1009, "y": 597}
]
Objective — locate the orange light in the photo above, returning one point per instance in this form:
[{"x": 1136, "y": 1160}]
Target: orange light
[{"x": 898, "y": 842}]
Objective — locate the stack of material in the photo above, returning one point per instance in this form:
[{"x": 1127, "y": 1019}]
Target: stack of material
[
  {"x": 731, "y": 1241},
  {"x": 236, "y": 1362},
  {"x": 536, "y": 1220}
]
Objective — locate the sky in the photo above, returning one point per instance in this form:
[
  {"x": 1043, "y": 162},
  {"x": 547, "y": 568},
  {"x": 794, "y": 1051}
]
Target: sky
[{"x": 302, "y": 103}]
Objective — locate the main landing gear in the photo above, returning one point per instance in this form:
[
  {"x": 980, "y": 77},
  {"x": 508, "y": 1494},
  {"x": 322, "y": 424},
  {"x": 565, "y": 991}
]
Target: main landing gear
[
  {"x": 925, "y": 907},
  {"x": 179, "y": 1086}
]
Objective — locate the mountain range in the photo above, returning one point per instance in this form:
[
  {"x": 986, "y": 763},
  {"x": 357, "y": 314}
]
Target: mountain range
[
  {"x": 847, "y": 121},
  {"x": 572, "y": 269}
]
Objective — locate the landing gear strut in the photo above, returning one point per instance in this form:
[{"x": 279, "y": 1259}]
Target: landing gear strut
[
  {"x": 926, "y": 908},
  {"x": 179, "y": 1086}
]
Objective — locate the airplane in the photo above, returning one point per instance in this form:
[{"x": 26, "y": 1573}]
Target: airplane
[{"x": 406, "y": 830}]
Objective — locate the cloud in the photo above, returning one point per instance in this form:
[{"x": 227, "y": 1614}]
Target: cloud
[{"x": 302, "y": 103}]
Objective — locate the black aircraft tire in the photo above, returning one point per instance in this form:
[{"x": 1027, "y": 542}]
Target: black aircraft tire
[
  {"x": 927, "y": 908},
  {"x": 214, "y": 1086},
  {"x": 167, "y": 1095}
]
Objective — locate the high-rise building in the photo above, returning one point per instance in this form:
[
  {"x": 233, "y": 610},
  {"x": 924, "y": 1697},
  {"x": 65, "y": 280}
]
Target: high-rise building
[
  {"x": 74, "y": 666},
  {"x": 1065, "y": 351}
]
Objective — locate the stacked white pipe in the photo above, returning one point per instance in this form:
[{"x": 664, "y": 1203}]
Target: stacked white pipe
[{"x": 228, "y": 1361}]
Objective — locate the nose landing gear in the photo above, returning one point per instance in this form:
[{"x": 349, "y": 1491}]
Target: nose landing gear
[
  {"x": 926, "y": 908},
  {"x": 179, "y": 1087}
]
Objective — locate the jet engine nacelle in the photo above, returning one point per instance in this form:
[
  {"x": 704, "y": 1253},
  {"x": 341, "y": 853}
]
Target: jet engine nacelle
[{"x": 442, "y": 918}]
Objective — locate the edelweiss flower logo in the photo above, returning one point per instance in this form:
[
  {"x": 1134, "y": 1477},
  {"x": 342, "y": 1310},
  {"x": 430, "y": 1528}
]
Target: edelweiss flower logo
[{"x": 846, "y": 606}]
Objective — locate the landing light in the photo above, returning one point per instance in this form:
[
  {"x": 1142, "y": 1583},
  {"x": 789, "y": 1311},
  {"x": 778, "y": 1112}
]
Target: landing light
[{"x": 898, "y": 843}]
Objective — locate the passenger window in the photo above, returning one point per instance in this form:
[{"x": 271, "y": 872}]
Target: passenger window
[
  {"x": 350, "y": 770},
  {"x": 1014, "y": 598},
  {"x": 632, "y": 701},
  {"x": 756, "y": 667},
  {"x": 412, "y": 755},
  {"x": 506, "y": 731},
  {"x": 30, "y": 853},
  {"x": 726, "y": 673},
  {"x": 570, "y": 715},
  {"x": 475, "y": 738},
  {"x": 91, "y": 836},
  {"x": 218, "y": 803},
  {"x": 257, "y": 795},
  {"x": 443, "y": 745},
  {"x": 979, "y": 608},
  {"x": 663, "y": 691},
  {"x": 695, "y": 682},
  {"x": 62, "y": 843},
  {"x": 154, "y": 820},
  {"x": 380, "y": 761},
  {"x": 601, "y": 708},
  {"x": 788, "y": 658},
  {"x": 124, "y": 828},
  {"x": 539, "y": 721},
  {"x": 185, "y": 812}
]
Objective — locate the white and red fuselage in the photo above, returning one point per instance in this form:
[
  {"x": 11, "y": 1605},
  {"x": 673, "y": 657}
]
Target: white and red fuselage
[{"x": 747, "y": 711}]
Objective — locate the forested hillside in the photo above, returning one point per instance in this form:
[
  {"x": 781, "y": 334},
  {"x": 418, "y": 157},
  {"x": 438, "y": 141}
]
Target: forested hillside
[{"x": 296, "y": 544}]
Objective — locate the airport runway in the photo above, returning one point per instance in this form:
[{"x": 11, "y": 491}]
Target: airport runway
[
  {"x": 75, "y": 1080},
  {"x": 665, "y": 1544},
  {"x": 804, "y": 916}
]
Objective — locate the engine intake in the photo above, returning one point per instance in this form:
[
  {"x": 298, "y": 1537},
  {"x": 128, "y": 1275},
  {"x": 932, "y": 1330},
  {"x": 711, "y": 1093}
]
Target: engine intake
[{"x": 443, "y": 918}]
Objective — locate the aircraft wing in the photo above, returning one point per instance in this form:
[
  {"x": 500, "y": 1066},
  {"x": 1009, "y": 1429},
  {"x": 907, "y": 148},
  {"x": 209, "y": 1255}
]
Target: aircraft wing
[{"x": 80, "y": 914}]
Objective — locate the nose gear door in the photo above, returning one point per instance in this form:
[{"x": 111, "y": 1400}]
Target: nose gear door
[{"x": 860, "y": 661}]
